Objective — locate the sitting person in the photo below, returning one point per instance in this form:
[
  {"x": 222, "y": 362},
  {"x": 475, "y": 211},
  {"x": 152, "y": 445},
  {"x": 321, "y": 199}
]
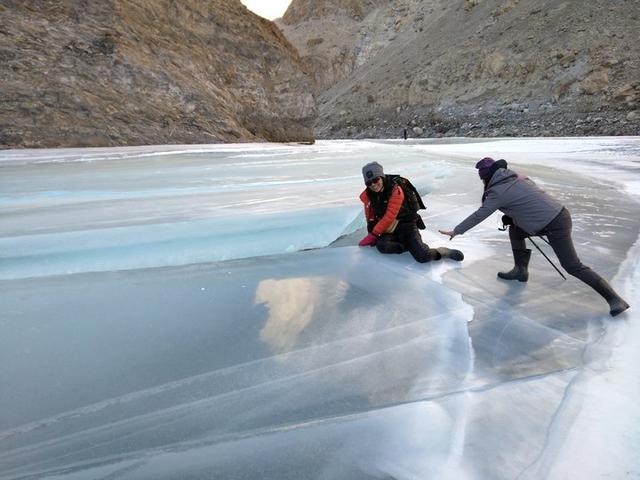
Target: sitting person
[{"x": 391, "y": 207}]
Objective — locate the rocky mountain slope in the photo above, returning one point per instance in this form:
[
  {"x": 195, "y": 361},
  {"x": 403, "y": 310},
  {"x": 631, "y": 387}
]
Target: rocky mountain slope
[
  {"x": 131, "y": 72},
  {"x": 470, "y": 67}
]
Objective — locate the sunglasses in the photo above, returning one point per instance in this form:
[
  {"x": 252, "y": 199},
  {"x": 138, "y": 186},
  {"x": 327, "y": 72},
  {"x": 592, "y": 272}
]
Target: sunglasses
[{"x": 368, "y": 183}]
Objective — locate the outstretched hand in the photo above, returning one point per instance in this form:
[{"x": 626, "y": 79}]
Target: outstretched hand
[{"x": 451, "y": 233}]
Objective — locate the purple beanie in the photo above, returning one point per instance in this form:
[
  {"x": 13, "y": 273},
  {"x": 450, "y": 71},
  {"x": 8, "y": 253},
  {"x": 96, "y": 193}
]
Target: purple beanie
[{"x": 484, "y": 167}]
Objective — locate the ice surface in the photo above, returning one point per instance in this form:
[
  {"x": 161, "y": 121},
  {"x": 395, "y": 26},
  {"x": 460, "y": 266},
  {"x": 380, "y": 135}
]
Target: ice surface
[{"x": 172, "y": 312}]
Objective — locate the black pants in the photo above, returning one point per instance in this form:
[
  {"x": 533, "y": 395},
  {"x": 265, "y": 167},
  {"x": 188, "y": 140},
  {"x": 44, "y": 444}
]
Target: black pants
[
  {"x": 558, "y": 232},
  {"x": 406, "y": 237}
]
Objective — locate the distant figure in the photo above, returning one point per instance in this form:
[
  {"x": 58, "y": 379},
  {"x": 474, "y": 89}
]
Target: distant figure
[
  {"x": 532, "y": 211},
  {"x": 404, "y": 133},
  {"x": 391, "y": 205}
]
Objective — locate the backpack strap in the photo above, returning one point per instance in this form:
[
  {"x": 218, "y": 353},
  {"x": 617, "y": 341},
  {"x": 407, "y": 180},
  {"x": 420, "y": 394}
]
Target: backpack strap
[{"x": 414, "y": 201}]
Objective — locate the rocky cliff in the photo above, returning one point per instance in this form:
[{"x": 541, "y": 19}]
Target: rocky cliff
[
  {"x": 131, "y": 72},
  {"x": 334, "y": 37},
  {"x": 471, "y": 67}
]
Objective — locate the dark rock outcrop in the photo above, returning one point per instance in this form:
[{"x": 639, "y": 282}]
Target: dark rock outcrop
[{"x": 131, "y": 72}]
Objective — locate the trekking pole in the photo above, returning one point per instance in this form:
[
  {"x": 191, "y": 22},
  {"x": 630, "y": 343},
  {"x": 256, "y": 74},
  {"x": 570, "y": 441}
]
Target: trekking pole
[
  {"x": 545, "y": 256},
  {"x": 545, "y": 240},
  {"x": 507, "y": 221}
]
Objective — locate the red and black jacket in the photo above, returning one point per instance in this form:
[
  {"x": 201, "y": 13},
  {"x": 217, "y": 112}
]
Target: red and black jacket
[{"x": 383, "y": 209}]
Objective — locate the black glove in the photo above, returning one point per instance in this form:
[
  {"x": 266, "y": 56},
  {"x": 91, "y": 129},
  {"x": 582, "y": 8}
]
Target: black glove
[{"x": 507, "y": 220}]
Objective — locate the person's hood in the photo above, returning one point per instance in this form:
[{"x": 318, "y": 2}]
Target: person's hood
[{"x": 502, "y": 175}]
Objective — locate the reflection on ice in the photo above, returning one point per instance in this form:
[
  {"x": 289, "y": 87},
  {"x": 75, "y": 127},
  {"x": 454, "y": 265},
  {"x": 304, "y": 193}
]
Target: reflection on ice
[
  {"x": 247, "y": 350},
  {"x": 291, "y": 303}
]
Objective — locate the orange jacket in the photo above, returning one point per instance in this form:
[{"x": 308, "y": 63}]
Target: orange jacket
[{"x": 393, "y": 208}]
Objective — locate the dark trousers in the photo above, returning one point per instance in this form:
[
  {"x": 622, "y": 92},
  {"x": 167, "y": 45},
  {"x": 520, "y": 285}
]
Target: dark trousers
[
  {"x": 558, "y": 232},
  {"x": 406, "y": 237}
]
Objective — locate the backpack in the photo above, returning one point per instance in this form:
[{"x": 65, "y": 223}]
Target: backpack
[{"x": 411, "y": 195}]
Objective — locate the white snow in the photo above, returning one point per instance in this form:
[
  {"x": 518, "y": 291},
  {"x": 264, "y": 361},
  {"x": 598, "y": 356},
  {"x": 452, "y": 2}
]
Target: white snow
[{"x": 204, "y": 312}]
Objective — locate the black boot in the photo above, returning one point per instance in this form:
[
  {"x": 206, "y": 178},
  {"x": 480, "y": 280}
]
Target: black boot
[
  {"x": 520, "y": 271},
  {"x": 451, "y": 253},
  {"x": 434, "y": 254},
  {"x": 616, "y": 304}
]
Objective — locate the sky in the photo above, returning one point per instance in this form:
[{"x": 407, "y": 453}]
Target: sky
[{"x": 270, "y": 9}]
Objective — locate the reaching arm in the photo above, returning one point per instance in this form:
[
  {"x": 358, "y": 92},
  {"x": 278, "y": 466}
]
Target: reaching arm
[
  {"x": 451, "y": 233},
  {"x": 489, "y": 206}
]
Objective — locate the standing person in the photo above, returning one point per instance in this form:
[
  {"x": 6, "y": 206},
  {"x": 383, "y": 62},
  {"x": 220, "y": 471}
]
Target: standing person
[
  {"x": 391, "y": 205},
  {"x": 532, "y": 211}
]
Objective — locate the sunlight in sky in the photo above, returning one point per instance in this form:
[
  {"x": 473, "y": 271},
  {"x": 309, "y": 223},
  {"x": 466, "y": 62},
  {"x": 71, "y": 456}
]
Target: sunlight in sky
[{"x": 270, "y": 9}]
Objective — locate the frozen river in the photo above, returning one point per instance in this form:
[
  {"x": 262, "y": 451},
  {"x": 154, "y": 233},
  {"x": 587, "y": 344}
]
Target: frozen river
[{"x": 188, "y": 312}]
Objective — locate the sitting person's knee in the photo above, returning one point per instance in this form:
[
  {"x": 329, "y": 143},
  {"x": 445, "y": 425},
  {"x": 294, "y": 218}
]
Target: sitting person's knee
[{"x": 390, "y": 247}]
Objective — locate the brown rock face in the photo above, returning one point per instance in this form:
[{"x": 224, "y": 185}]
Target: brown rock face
[
  {"x": 330, "y": 37},
  {"x": 470, "y": 67},
  {"x": 132, "y": 72}
]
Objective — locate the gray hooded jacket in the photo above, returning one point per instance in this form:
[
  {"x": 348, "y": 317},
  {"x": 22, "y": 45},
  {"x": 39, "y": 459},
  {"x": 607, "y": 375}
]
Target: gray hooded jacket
[{"x": 530, "y": 207}]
